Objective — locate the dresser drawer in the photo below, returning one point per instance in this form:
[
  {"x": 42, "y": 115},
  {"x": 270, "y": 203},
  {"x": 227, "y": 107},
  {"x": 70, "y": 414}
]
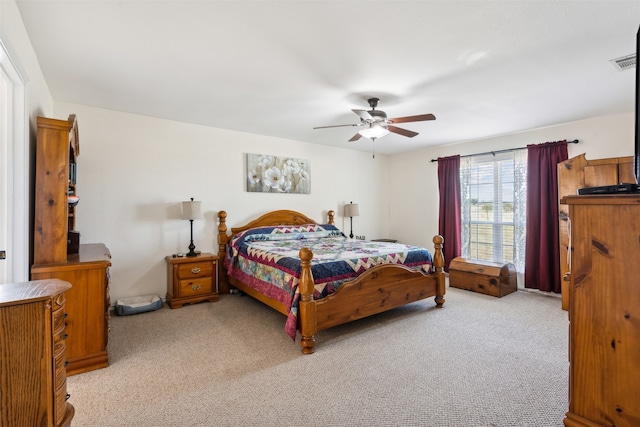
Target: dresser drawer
[
  {"x": 61, "y": 398},
  {"x": 58, "y": 302},
  {"x": 199, "y": 286},
  {"x": 59, "y": 340},
  {"x": 60, "y": 370},
  {"x": 195, "y": 269},
  {"x": 59, "y": 317}
]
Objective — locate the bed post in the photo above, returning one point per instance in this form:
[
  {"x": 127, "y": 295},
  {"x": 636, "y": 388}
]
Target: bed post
[
  {"x": 308, "y": 315},
  {"x": 438, "y": 263},
  {"x": 223, "y": 285},
  {"x": 331, "y": 215}
]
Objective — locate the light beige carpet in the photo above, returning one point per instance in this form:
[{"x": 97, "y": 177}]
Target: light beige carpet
[{"x": 479, "y": 361}]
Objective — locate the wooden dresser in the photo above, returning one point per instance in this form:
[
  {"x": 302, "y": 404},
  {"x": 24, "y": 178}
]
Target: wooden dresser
[
  {"x": 87, "y": 305},
  {"x": 56, "y": 255},
  {"x": 604, "y": 311},
  {"x": 32, "y": 355},
  {"x": 578, "y": 172}
]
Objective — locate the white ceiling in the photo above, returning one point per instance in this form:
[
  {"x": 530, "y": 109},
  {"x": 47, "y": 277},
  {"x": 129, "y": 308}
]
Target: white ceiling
[{"x": 279, "y": 68}]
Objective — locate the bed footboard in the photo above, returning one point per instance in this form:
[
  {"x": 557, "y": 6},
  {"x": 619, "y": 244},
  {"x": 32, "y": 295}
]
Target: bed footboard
[{"x": 379, "y": 289}]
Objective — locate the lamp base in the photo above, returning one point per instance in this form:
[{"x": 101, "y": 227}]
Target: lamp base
[
  {"x": 351, "y": 234},
  {"x": 191, "y": 252}
]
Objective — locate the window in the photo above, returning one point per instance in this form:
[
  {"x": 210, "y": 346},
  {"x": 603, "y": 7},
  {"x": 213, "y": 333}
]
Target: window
[{"x": 494, "y": 207}]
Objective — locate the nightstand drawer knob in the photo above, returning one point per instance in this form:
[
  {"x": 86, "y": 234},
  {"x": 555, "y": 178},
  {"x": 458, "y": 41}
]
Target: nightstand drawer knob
[
  {"x": 196, "y": 270},
  {"x": 195, "y": 287}
]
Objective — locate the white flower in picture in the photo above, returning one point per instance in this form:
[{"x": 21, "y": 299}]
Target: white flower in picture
[
  {"x": 292, "y": 167},
  {"x": 254, "y": 178},
  {"x": 265, "y": 161},
  {"x": 273, "y": 177},
  {"x": 271, "y": 174},
  {"x": 286, "y": 188}
]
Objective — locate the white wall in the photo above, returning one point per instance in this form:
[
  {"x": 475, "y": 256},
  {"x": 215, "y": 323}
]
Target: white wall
[
  {"x": 133, "y": 172},
  {"x": 413, "y": 178},
  {"x": 32, "y": 100},
  {"x": 14, "y": 34}
]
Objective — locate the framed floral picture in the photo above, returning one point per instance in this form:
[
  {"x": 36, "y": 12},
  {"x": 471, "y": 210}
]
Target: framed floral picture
[{"x": 272, "y": 174}]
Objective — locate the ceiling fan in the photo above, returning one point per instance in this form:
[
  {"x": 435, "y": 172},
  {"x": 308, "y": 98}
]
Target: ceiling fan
[{"x": 375, "y": 123}]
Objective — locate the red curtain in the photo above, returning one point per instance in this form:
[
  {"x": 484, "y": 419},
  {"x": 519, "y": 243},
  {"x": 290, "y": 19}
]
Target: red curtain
[
  {"x": 542, "y": 257},
  {"x": 449, "y": 224}
]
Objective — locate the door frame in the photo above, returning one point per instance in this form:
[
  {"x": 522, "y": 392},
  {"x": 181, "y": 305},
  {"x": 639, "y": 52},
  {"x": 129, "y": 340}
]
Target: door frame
[{"x": 14, "y": 149}]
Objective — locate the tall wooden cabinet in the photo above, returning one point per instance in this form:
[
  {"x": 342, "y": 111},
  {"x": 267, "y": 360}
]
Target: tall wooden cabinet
[
  {"x": 578, "y": 172},
  {"x": 604, "y": 311},
  {"x": 85, "y": 266},
  {"x": 32, "y": 355}
]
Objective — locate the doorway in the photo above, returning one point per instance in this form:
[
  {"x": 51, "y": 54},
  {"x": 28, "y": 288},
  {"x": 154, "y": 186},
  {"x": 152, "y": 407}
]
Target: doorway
[{"x": 14, "y": 170}]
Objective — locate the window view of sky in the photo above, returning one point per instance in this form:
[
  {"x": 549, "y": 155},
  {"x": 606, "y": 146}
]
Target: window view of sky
[{"x": 489, "y": 216}]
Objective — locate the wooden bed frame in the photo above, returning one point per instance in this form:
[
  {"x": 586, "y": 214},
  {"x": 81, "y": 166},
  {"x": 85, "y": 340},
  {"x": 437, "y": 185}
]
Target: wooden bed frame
[{"x": 379, "y": 289}]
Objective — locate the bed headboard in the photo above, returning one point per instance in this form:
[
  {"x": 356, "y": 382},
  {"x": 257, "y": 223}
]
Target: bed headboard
[{"x": 280, "y": 217}]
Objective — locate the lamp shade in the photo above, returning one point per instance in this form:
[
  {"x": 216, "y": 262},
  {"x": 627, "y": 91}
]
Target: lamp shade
[
  {"x": 191, "y": 210},
  {"x": 351, "y": 210}
]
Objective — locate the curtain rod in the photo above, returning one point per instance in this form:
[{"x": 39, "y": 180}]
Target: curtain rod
[{"x": 575, "y": 141}]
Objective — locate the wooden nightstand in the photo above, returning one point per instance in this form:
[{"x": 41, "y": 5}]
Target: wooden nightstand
[{"x": 191, "y": 279}]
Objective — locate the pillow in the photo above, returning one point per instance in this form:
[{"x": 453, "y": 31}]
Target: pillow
[{"x": 286, "y": 232}]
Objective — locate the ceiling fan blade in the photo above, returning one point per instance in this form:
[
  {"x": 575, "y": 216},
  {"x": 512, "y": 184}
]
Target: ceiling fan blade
[
  {"x": 337, "y": 126},
  {"x": 364, "y": 114},
  {"x": 403, "y": 132},
  {"x": 418, "y": 118},
  {"x": 355, "y": 137}
]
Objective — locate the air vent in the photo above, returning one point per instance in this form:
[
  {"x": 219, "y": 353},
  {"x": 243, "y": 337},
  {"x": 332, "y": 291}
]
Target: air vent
[{"x": 625, "y": 62}]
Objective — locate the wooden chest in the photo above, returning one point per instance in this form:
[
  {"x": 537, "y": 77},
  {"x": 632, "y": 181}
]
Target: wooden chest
[{"x": 485, "y": 277}]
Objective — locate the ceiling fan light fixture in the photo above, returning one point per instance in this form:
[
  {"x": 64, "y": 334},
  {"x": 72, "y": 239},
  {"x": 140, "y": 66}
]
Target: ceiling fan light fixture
[{"x": 373, "y": 131}]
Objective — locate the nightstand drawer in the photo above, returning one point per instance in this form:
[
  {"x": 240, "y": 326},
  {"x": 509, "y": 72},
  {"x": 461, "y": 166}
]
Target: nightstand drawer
[
  {"x": 195, "y": 269},
  {"x": 196, "y": 286}
]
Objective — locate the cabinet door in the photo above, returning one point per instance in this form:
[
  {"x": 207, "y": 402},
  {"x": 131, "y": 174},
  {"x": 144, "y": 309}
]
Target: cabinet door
[
  {"x": 85, "y": 305},
  {"x": 51, "y": 216}
]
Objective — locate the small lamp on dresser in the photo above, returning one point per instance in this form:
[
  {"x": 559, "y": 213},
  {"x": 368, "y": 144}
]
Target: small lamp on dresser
[
  {"x": 190, "y": 211},
  {"x": 351, "y": 210}
]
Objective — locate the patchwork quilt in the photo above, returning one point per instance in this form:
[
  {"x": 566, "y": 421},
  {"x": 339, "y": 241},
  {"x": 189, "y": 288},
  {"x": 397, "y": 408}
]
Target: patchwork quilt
[{"x": 267, "y": 259}]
